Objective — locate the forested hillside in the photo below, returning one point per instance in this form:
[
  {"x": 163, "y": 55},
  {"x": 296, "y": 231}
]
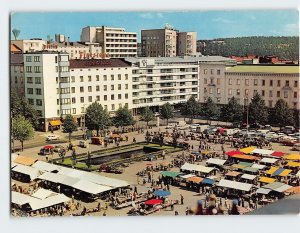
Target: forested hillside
[{"x": 284, "y": 47}]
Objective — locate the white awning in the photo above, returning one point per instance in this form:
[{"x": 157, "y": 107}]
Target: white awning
[
  {"x": 47, "y": 202},
  {"x": 187, "y": 176},
  {"x": 46, "y": 167},
  {"x": 90, "y": 187},
  {"x": 262, "y": 151},
  {"x": 258, "y": 166},
  {"x": 20, "y": 198},
  {"x": 12, "y": 164},
  {"x": 195, "y": 167},
  {"x": 282, "y": 188},
  {"x": 248, "y": 177},
  {"x": 234, "y": 185},
  {"x": 59, "y": 178},
  {"x": 263, "y": 191},
  {"x": 268, "y": 160},
  {"x": 43, "y": 193},
  {"x": 216, "y": 161},
  {"x": 32, "y": 172}
]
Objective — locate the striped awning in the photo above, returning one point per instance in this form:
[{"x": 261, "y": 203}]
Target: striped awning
[{"x": 248, "y": 150}]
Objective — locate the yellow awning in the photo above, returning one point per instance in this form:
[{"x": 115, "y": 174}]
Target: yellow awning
[
  {"x": 239, "y": 166},
  {"x": 285, "y": 172},
  {"x": 267, "y": 180},
  {"x": 55, "y": 123},
  {"x": 24, "y": 160},
  {"x": 292, "y": 157},
  {"x": 293, "y": 164},
  {"x": 272, "y": 170},
  {"x": 248, "y": 150}
]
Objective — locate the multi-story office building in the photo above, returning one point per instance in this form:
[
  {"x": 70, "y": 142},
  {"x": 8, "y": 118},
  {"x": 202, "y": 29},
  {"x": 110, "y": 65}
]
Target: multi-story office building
[
  {"x": 17, "y": 83},
  {"x": 272, "y": 82},
  {"x": 115, "y": 42},
  {"x": 31, "y": 45},
  {"x": 57, "y": 86},
  {"x": 186, "y": 43},
  {"x": 168, "y": 42}
]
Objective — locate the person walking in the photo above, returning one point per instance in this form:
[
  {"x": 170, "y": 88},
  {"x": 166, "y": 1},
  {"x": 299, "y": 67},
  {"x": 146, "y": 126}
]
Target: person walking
[{"x": 181, "y": 199}]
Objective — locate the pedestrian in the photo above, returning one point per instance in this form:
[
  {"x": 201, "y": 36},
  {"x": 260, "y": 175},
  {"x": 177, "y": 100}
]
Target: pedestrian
[
  {"x": 176, "y": 212},
  {"x": 181, "y": 199},
  {"x": 187, "y": 211}
]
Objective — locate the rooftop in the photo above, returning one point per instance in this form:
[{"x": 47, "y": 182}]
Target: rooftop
[
  {"x": 14, "y": 48},
  {"x": 113, "y": 62},
  {"x": 16, "y": 59},
  {"x": 279, "y": 69}
]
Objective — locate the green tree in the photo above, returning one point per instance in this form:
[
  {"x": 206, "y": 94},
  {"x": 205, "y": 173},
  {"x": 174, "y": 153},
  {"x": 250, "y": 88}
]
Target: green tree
[
  {"x": 22, "y": 130},
  {"x": 192, "y": 108},
  {"x": 167, "y": 112},
  {"x": 257, "y": 110},
  {"x": 69, "y": 126},
  {"x": 210, "y": 110},
  {"x": 96, "y": 117},
  {"x": 233, "y": 111},
  {"x": 148, "y": 115},
  {"x": 283, "y": 115},
  {"x": 123, "y": 117}
]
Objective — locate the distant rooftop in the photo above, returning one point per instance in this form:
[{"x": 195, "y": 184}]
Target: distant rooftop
[
  {"x": 113, "y": 62},
  {"x": 277, "y": 69}
]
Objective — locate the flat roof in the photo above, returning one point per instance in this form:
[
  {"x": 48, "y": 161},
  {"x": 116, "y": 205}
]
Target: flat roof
[
  {"x": 88, "y": 63},
  {"x": 276, "y": 69}
]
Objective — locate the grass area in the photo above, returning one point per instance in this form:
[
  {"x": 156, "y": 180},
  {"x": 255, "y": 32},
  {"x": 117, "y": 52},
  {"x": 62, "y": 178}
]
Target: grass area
[{"x": 80, "y": 165}]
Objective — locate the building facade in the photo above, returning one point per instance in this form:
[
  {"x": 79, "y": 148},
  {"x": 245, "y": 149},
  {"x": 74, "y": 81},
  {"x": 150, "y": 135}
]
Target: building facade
[
  {"x": 115, "y": 42},
  {"x": 186, "y": 43},
  {"x": 31, "y": 45},
  {"x": 243, "y": 81},
  {"x": 17, "y": 83}
]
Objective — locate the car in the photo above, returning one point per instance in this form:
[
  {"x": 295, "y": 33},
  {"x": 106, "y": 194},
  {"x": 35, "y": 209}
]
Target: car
[
  {"x": 59, "y": 148},
  {"x": 52, "y": 137},
  {"x": 83, "y": 144},
  {"x": 182, "y": 127}
]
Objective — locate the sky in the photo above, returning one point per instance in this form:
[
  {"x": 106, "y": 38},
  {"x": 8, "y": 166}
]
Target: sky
[{"x": 207, "y": 24}]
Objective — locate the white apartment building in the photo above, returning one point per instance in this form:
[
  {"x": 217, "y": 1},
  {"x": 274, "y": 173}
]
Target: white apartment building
[
  {"x": 57, "y": 86},
  {"x": 272, "y": 82},
  {"x": 31, "y": 45},
  {"x": 115, "y": 42},
  {"x": 17, "y": 82}
]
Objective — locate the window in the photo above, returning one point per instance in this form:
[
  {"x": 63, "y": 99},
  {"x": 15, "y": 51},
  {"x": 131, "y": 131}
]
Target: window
[
  {"x": 119, "y": 77},
  {"x": 38, "y": 91},
  {"x": 126, "y": 96},
  {"x": 28, "y": 58},
  {"x": 112, "y": 87},
  {"x": 229, "y": 92},
  {"x": 218, "y": 72},
  {"x": 263, "y": 93},
  {"x": 89, "y": 88},
  {"x": 37, "y": 80},
  {"x": 29, "y": 79},
  {"x": 73, "y": 89},
  {"x": 255, "y": 82},
  {"x": 30, "y": 91},
  {"x": 278, "y": 83},
  {"x": 119, "y": 86},
  {"x": 105, "y": 97},
  {"x": 28, "y": 69},
  {"x": 295, "y": 94},
  {"x": 38, "y": 102},
  {"x": 247, "y": 82},
  {"x": 263, "y": 82},
  {"x": 211, "y": 71},
  {"x": 270, "y": 94},
  {"x": 16, "y": 79},
  {"x": 205, "y": 81},
  {"x": 81, "y": 89},
  {"x": 238, "y": 82},
  {"x": 296, "y": 84},
  {"x": 112, "y": 77},
  {"x": 205, "y": 71},
  {"x": 254, "y": 92},
  {"x": 126, "y": 86},
  {"x": 105, "y": 107},
  {"x": 73, "y": 100},
  {"x": 230, "y": 81},
  {"x": 89, "y": 78},
  {"x": 105, "y": 87},
  {"x": 278, "y": 94},
  {"x": 105, "y": 77},
  {"x": 81, "y": 99},
  {"x": 97, "y": 88},
  {"x": 112, "y": 107},
  {"x": 73, "y": 79},
  {"x": 287, "y": 83},
  {"x": 270, "y": 103},
  {"x": 119, "y": 96},
  {"x": 211, "y": 80},
  {"x": 82, "y": 109},
  {"x": 73, "y": 110},
  {"x": 218, "y": 91},
  {"x": 218, "y": 81},
  {"x": 90, "y": 99},
  {"x": 97, "y": 97},
  {"x": 81, "y": 78},
  {"x": 57, "y": 101},
  {"x": 126, "y": 76},
  {"x": 210, "y": 90},
  {"x": 285, "y": 94},
  {"x": 65, "y": 101},
  {"x": 97, "y": 78},
  {"x": 238, "y": 91},
  {"x": 36, "y": 58},
  {"x": 30, "y": 101},
  {"x": 246, "y": 91},
  {"x": 271, "y": 83},
  {"x": 56, "y": 62},
  {"x": 112, "y": 97}
]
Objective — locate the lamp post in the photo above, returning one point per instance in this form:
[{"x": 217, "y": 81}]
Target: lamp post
[{"x": 83, "y": 112}]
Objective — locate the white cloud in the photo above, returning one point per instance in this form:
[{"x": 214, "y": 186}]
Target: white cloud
[
  {"x": 151, "y": 15},
  {"x": 222, "y": 20}
]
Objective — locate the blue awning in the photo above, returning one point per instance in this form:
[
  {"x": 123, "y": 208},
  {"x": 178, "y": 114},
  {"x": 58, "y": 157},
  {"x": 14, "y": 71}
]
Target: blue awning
[
  {"x": 278, "y": 171},
  {"x": 208, "y": 181}
]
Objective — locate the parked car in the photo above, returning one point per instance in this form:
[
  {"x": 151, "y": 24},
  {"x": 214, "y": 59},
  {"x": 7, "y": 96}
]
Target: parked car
[
  {"x": 289, "y": 129},
  {"x": 59, "y": 148},
  {"x": 52, "y": 137}
]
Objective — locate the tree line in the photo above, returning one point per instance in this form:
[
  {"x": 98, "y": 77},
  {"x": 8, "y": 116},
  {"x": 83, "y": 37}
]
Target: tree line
[{"x": 284, "y": 47}]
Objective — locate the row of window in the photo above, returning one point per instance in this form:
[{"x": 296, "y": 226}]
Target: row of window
[
  {"x": 38, "y": 102},
  {"x": 90, "y": 99},
  {"x": 263, "y": 82},
  {"x": 36, "y": 69},
  {"x": 37, "y": 80},
  {"x": 212, "y": 71},
  {"x": 97, "y": 78},
  {"x": 38, "y": 91},
  {"x": 35, "y": 58}
]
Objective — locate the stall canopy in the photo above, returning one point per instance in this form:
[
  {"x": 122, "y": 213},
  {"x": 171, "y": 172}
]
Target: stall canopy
[
  {"x": 285, "y": 172},
  {"x": 13, "y": 156},
  {"x": 246, "y": 157},
  {"x": 278, "y": 171},
  {"x": 262, "y": 151},
  {"x": 251, "y": 169},
  {"x": 259, "y": 166},
  {"x": 33, "y": 173},
  {"x": 195, "y": 179},
  {"x": 43, "y": 193},
  {"x": 239, "y": 166},
  {"x": 277, "y": 186},
  {"x": 170, "y": 174},
  {"x": 45, "y": 167},
  {"x": 153, "y": 202},
  {"x": 208, "y": 181},
  {"x": 235, "y": 185},
  {"x": 293, "y": 164},
  {"x": 162, "y": 193},
  {"x": 90, "y": 187},
  {"x": 27, "y": 161},
  {"x": 187, "y": 176},
  {"x": 248, "y": 150},
  {"x": 47, "y": 202},
  {"x": 265, "y": 179},
  {"x": 263, "y": 191},
  {"x": 216, "y": 161},
  {"x": 268, "y": 160},
  {"x": 20, "y": 198},
  {"x": 234, "y": 152},
  {"x": 59, "y": 178},
  {"x": 248, "y": 177},
  {"x": 232, "y": 173},
  {"x": 298, "y": 174},
  {"x": 195, "y": 167},
  {"x": 292, "y": 157},
  {"x": 272, "y": 170},
  {"x": 55, "y": 123},
  {"x": 277, "y": 154}
]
